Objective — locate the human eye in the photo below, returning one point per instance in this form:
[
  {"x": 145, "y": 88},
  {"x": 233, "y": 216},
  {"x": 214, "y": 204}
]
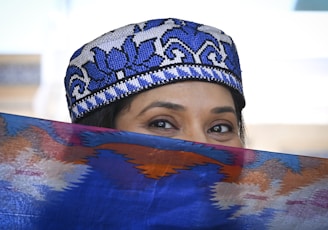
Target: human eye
[
  {"x": 221, "y": 128},
  {"x": 161, "y": 124}
]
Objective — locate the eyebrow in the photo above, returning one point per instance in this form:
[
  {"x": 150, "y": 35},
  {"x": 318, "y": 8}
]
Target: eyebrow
[
  {"x": 177, "y": 107},
  {"x": 223, "y": 109},
  {"x": 163, "y": 104}
]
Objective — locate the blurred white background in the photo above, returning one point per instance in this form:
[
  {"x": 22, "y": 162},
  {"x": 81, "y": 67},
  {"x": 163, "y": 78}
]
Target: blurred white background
[{"x": 282, "y": 46}]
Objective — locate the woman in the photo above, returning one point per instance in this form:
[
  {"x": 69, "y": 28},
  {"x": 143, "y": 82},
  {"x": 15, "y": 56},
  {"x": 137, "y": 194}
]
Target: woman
[{"x": 166, "y": 77}]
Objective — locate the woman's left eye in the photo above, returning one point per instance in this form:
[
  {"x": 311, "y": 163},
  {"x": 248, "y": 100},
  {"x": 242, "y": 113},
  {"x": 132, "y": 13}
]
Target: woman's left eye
[{"x": 220, "y": 128}]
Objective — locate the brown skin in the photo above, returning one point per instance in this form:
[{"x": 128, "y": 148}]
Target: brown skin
[{"x": 194, "y": 111}]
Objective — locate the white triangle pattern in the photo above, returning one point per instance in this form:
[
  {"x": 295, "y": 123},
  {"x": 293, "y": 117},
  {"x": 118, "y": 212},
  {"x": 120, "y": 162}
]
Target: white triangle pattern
[{"x": 142, "y": 82}]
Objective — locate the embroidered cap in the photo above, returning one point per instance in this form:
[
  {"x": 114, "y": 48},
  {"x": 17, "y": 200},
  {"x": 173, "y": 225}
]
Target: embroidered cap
[{"x": 142, "y": 56}]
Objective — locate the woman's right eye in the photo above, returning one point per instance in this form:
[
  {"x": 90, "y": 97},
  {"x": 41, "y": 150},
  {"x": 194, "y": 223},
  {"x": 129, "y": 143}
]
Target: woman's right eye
[{"x": 162, "y": 124}]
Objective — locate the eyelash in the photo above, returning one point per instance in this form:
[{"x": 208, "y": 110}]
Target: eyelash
[
  {"x": 155, "y": 124},
  {"x": 229, "y": 128}
]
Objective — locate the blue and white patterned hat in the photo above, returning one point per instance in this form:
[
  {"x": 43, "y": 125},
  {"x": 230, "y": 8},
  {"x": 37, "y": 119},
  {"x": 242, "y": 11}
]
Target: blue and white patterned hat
[{"x": 142, "y": 56}]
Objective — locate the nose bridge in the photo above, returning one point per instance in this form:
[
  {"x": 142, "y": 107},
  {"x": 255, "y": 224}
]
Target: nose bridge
[{"x": 195, "y": 133}]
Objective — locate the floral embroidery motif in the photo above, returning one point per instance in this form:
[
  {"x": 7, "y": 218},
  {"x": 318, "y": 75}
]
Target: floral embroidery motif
[{"x": 120, "y": 63}]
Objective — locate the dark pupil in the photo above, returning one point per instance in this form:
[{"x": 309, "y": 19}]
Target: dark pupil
[
  {"x": 217, "y": 128},
  {"x": 161, "y": 124}
]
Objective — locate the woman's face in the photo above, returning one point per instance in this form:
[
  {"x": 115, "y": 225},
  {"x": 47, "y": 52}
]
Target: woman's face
[{"x": 194, "y": 111}]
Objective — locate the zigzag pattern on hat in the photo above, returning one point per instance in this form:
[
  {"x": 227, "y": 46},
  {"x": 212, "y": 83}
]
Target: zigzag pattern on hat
[{"x": 136, "y": 84}]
